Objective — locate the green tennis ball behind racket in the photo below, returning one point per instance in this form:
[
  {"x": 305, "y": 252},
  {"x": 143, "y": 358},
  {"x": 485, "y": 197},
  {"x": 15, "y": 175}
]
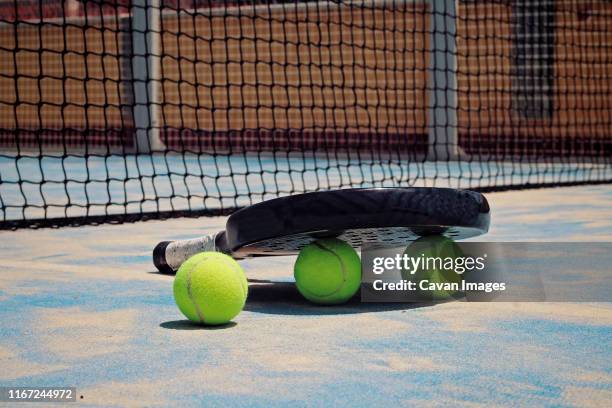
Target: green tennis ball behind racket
[
  {"x": 328, "y": 271},
  {"x": 210, "y": 288},
  {"x": 443, "y": 249}
]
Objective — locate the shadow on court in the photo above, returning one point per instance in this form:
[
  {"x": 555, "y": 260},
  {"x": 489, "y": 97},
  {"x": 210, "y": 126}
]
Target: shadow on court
[
  {"x": 283, "y": 298},
  {"x": 187, "y": 325}
]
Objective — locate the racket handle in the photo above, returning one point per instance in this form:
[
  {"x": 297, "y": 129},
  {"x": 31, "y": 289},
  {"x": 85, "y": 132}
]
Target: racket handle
[{"x": 169, "y": 255}]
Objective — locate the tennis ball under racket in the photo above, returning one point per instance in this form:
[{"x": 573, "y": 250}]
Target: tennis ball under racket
[
  {"x": 328, "y": 271},
  {"x": 446, "y": 251},
  {"x": 210, "y": 288}
]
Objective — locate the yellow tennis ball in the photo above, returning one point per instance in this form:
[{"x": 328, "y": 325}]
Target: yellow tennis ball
[
  {"x": 328, "y": 271},
  {"x": 441, "y": 282},
  {"x": 210, "y": 288}
]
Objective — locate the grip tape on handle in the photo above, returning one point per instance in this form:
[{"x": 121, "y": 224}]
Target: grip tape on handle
[{"x": 169, "y": 255}]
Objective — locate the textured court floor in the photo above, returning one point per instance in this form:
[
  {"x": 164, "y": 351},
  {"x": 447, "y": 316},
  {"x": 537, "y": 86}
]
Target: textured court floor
[{"x": 84, "y": 307}]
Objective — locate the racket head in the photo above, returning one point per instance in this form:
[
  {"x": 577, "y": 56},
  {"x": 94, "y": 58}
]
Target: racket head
[{"x": 385, "y": 216}]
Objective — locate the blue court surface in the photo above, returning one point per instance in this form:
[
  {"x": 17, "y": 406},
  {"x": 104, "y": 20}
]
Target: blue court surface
[{"x": 84, "y": 307}]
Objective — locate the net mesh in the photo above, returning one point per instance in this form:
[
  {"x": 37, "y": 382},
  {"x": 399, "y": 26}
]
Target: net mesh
[{"x": 117, "y": 110}]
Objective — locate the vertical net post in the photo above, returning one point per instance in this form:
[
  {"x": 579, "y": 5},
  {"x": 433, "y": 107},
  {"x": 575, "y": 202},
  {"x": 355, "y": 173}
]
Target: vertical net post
[
  {"x": 145, "y": 39},
  {"x": 442, "y": 82}
]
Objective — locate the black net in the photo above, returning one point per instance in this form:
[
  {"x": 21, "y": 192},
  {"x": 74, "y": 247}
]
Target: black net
[{"x": 117, "y": 110}]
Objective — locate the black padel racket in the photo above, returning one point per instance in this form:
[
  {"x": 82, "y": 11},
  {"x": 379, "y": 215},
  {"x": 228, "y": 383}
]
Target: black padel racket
[{"x": 388, "y": 216}]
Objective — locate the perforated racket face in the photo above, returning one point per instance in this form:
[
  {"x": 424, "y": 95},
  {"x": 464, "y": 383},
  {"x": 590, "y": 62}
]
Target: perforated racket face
[
  {"x": 385, "y": 236},
  {"x": 384, "y": 216},
  {"x": 390, "y": 216}
]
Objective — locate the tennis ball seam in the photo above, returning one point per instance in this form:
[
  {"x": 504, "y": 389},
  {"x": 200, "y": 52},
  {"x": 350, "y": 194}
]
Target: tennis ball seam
[
  {"x": 342, "y": 268},
  {"x": 190, "y": 295}
]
